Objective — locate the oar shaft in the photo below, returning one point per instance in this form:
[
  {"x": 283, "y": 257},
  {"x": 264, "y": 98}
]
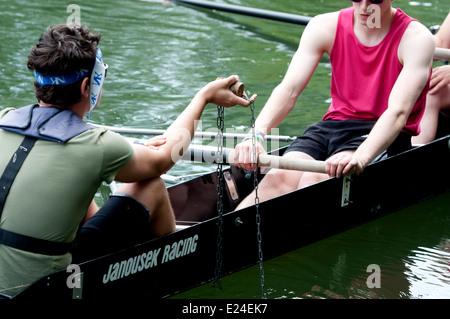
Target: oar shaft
[
  {"x": 253, "y": 12},
  {"x": 210, "y": 135},
  {"x": 208, "y": 154},
  {"x": 135, "y": 131},
  {"x": 290, "y": 163},
  {"x": 204, "y": 154},
  {"x": 442, "y": 54}
]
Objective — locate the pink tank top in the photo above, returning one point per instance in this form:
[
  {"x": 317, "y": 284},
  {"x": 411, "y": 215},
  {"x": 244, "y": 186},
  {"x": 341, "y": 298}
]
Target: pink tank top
[{"x": 363, "y": 77}]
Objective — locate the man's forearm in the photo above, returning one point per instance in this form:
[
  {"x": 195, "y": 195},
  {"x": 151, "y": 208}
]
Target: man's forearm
[
  {"x": 383, "y": 134},
  {"x": 279, "y": 105}
]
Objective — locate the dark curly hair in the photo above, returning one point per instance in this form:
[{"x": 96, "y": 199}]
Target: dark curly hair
[{"x": 62, "y": 50}]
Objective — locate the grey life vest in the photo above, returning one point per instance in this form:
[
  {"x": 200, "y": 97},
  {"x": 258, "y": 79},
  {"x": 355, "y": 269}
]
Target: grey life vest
[{"x": 34, "y": 122}]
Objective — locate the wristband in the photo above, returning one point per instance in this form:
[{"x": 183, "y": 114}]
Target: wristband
[{"x": 258, "y": 135}]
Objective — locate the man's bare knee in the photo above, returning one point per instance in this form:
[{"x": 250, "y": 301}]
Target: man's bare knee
[
  {"x": 311, "y": 178},
  {"x": 282, "y": 180},
  {"x": 153, "y": 194},
  {"x": 144, "y": 190}
]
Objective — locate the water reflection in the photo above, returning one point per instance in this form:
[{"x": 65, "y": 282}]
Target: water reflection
[
  {"x": 411, "y": 248},
  {"x": 406, "y": 270},
  {"x": 428, "y": 271}
]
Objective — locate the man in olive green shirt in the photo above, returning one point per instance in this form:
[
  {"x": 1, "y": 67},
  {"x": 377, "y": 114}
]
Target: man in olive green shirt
[{"x": 50, "y": 195}]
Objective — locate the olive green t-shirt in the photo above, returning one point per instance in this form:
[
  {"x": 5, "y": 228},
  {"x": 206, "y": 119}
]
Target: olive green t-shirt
[{"x": 51, "y": 194}]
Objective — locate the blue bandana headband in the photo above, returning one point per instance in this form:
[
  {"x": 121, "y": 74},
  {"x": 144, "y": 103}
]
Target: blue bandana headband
[
  {"x": 44, "y": 80},
  {"x": 96, "y": 80}
]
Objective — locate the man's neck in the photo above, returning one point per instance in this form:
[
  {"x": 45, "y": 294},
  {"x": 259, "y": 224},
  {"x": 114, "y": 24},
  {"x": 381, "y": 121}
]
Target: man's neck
[
  {"x": 76, "y": 108},
  {"x": 371, "y": 32}
]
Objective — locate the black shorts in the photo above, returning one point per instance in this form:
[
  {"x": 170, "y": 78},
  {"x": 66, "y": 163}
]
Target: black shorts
[
  {"x": 120, "y": 223},
  {"x": 326, "y": 138}
]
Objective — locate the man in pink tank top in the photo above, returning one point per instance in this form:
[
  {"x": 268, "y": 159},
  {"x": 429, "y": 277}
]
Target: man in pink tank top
[{"x": 381, "y": 63}]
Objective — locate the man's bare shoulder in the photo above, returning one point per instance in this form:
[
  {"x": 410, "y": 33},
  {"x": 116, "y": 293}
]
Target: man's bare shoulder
[
  {"x": 417, "y": 28},
  {"x": 325, "y": 20},
  {"x": 417, "y": 37},
  {"x": 417, "y": 44},
  {"x": 321, "y": 31}
]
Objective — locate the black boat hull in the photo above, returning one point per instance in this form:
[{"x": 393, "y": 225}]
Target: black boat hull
[{"x": 187, "y": 258}]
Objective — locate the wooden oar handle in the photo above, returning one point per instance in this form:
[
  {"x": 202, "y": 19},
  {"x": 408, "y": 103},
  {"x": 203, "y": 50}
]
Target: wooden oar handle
[
  {"x": 297, "y": 164},
  {"x": 237, "y": 88},
  {"x": 442, "y": 54},
  {"x": 289, "y": 163}
]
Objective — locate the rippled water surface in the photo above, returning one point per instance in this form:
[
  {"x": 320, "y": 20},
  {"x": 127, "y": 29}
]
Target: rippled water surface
[
  {"x": 160, "y": 54},
  {"x": 410, "y": 247}
]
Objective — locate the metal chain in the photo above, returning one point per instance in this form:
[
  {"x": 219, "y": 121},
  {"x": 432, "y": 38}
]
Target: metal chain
[
  {"x": 255, "y": 185},
  {"x": 219, "y": 156},
  {"x": 219, "y": 160}
]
